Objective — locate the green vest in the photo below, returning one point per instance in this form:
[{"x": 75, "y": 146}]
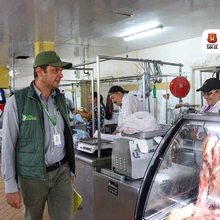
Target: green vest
[{"x": 30, "y": 150}]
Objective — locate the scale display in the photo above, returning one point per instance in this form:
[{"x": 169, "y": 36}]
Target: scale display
[{"x": 90, "y": 145}]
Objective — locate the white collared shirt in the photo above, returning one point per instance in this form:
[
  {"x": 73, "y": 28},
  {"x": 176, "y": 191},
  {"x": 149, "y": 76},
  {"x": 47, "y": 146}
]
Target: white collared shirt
[
  {"x": 214, "y": 108},
  {"x": 130, "y": 105}
]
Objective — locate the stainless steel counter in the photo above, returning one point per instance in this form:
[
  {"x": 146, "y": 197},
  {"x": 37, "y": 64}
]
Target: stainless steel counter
[
  {"x": 93, "y": 160},
  {"x": 96, "y": 188},
  {"x": 84, "y": 180},
  {"x": 119, "y": 197},
  {"x": 79, "y": 126}
]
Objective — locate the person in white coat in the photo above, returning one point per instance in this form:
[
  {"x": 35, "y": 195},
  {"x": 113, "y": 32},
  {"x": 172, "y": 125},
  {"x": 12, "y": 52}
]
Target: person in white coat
[
  {"x": 166, "y": 108},
  {"x": 128, "y": 104},
  {"x": 211, "y": 93}
]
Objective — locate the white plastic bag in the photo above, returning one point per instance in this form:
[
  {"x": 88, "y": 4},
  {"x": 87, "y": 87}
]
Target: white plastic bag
[{"x": 138, "y": 122}]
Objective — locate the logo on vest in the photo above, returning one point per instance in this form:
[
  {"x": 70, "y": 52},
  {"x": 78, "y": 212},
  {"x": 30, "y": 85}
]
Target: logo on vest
[{"x": 28, "y": 117}]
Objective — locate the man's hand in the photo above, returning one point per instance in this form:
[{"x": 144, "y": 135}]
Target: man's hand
[
  {"x": 14, "y": 200},
  {"x": 72, "y": 178}
]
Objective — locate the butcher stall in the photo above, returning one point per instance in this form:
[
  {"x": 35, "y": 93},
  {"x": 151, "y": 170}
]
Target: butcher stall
[
  {"x": 183, "y": 178},
  {"x": 118, "y": 187},
  {"x": 114, "y": 178}
]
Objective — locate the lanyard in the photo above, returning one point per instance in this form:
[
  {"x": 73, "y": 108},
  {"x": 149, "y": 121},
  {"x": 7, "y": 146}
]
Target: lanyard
[
  {"x": 207, "y": 109},
  {"x": 53, "y": 120}
]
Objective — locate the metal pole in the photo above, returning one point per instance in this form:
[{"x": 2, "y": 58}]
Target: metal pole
[
  {"x": 155, "y": 108},
  {"x": 166, "y": 102},
  {"x": 144, "y": 95},
  {"x": 75, "y": 97},
  {"x": 201, "y": 81},
  {"x": 99, "y": 110},
  {"x": 105, "y": 58},
  {"x": 141, "y": 60},
  {"x": 93, "y": 113},
  {"x": 73, "y": 68},
  {"x": 84, "y": 64}
]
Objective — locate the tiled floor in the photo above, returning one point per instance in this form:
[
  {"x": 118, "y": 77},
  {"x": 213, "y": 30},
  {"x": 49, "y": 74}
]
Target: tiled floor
[{"x": 9, "y": 213}]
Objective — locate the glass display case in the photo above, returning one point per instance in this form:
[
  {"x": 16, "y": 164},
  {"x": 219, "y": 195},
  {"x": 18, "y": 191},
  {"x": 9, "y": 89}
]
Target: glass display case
[{"x": 182, "y": 177}]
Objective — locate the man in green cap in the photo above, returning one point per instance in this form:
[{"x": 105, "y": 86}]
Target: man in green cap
[{"x": 37, "y": 148}]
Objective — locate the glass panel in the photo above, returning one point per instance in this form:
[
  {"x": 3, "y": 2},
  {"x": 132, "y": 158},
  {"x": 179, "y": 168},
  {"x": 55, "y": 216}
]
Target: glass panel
[{"x": 176, "y": 183}]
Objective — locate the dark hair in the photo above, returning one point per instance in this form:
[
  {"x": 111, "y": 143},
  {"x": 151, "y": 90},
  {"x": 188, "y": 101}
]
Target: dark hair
[
  {"x": 95, "y": 95},
  {"x": 109, "y": 108},
  {"x": 44, "y": 67}
]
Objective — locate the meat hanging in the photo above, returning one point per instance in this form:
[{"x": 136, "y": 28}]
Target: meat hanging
[
  {"x": 207, "y": 206},
  {"x": 208, "y": 201}
]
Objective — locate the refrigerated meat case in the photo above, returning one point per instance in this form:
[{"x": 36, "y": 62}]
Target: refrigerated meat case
[
  {"x": 118, "y": 186},
  {"x": 172, "y": 177}
]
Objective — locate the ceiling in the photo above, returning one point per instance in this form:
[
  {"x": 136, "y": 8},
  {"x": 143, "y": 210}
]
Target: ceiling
[{"x": 82, "y": 29}]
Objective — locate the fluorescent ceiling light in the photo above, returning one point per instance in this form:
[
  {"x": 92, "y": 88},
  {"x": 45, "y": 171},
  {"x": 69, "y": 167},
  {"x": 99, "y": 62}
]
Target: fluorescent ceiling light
[{"x": 144, "y": 33}]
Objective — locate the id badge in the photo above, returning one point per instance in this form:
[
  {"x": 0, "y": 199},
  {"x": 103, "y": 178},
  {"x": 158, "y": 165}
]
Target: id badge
[{"x": 57, "y": 140}]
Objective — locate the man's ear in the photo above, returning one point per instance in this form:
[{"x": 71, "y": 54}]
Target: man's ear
[
  {"x": 39, "y": 71},
  {"x": 121, "y": 94}
]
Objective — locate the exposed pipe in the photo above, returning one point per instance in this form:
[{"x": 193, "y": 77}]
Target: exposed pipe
[
  {"x": 105, "y": 58},
  {"x": 140, "y": 60}
]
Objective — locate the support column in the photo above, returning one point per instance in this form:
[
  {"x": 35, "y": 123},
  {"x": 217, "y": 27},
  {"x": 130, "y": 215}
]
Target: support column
[
  {"x": 43, "y": 46},
  {"x": 4, "y": 76}
]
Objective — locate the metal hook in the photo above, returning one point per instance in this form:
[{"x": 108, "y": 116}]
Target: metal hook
[{"x": 180, "y": 71}]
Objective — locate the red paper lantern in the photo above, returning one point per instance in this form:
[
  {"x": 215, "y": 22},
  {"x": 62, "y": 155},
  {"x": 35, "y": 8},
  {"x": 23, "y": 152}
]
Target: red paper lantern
[{"x": 179, "y": 87}]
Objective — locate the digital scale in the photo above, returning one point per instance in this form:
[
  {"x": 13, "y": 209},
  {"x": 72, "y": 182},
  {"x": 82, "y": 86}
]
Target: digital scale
[{"x": 90, "y": 145}]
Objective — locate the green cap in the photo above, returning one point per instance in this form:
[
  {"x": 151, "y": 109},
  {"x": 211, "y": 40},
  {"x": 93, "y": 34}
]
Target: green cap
[{"x": 50, "y": 58}]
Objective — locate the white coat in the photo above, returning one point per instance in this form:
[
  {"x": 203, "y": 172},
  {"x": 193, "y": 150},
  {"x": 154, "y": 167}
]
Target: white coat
[
  {"x": 166, "y": 112},
  {"x": 214, "y": 108},
  {"x": 130, "y": 105}
]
